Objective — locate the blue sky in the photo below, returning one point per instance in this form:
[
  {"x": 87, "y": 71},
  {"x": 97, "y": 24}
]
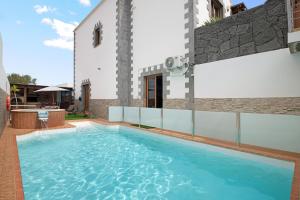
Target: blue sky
[{"x": 37, "y": 36}]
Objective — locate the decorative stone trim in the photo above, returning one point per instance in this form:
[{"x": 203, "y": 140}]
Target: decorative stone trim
[
  {"x": 124, "y": 51},
  {"x": 131, "y": 50},
  {"x": 100, "y": 27},
  {"x": 191, "y": 13},
  {"x": 74, "y": 64},
  {"x": 284, "y": 105},
  {"x": 152, "y": 70}
]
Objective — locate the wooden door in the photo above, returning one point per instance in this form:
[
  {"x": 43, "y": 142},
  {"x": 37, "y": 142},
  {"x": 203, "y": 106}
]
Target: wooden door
[
  {"x": 153, "y": 91},
  {"x": 86, "y": 98}
]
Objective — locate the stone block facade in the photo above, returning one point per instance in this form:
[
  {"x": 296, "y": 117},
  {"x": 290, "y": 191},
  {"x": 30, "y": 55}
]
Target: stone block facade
[
  {"x": 263, "y": 28},
  {"x": 3, "y": 112},
  {"x": 99, "y": 107},
  {"x": 286, "y": 105}
]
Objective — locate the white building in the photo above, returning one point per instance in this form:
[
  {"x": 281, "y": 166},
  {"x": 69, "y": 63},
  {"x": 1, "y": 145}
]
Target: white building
[
  {"x": 122, "y": 45},
  {"x": 121, "y": 41}
]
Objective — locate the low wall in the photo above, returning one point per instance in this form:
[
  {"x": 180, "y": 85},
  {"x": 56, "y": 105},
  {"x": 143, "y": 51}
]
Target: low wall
[
  {"x": 260, "y": 83},
  {"x": 3, "y": 112},
  {"x": 260, "y": 29},
  {"x": 4, "y": 91}
]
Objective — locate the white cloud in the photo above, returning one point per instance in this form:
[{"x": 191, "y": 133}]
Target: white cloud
[
  {"x": 43, "y": 9},
  {"x": 85, "y": 2},
  {"x": 19, "y": 22},
  {"x": 59, "y": 43},
  {"x": 64, "y": 32}
]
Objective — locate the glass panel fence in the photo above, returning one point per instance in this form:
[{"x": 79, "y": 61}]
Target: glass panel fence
[
  {"x": 271, "y": 131},
  {"x": 265, "y": 130},
  {"x": 178, "y": 120},
  {"x": 131, "y": 115},
  {"x": 151, "y": 117},
  {"x": 115, "y": 114},
  {"x": 218, "y": 125}
]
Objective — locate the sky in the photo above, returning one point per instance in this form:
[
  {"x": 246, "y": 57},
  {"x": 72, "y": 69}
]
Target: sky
[{"x": 38, "y": 36}]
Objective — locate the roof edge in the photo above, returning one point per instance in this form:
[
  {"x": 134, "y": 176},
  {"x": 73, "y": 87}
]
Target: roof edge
[{"x": 90, "y": 13}]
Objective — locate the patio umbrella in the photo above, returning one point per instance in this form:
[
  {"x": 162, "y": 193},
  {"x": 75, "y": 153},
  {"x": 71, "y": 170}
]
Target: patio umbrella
[{"x": 51, "y": 89}]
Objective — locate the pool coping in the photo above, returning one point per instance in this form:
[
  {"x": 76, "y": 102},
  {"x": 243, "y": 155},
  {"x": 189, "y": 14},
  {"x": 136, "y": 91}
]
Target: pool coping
[{"x": 10, "y": 172}]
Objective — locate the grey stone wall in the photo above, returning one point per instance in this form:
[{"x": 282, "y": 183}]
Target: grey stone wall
[
  {"x": 3, "y": 112},
  {"x": 99, "y": 107},
  {"x": 286, "y": 105},
  {"x": 260, "y": 29},
  {"x": 177, "y": 104}
]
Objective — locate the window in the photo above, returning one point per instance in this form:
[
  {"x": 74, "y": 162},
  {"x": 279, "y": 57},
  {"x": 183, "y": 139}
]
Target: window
[
  {"x": 97, "y": 37},
  {"x": 97, "y": 34},
  {"x": 216, "y": 9}
]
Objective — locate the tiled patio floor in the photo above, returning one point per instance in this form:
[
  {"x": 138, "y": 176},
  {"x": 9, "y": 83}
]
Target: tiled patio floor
[{"x": 10, "y": 176}]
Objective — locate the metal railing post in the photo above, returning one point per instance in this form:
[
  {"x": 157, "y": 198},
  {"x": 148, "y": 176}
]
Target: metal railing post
[
  {"x": 162, "y": 118},
  {"x": 193, "y": 122},
  {"x": 139, "y": 117},
  {"x": 123, "y": 114},
  {"x": 238, "y": 126}
]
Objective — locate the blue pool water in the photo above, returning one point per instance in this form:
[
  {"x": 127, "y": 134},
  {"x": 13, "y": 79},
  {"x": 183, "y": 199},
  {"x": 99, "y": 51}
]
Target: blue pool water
[{"x": 98, "y": 162}]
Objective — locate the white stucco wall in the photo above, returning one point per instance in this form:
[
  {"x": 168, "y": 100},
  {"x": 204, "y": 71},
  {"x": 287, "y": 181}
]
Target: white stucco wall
[
  {"x": 203, "y": 12},
  {"x": 4, "y": 84},
  {"x": 88, "y": 58},
  {"x": 269, "y": 74},
  {"x": 158, "y": 32}
]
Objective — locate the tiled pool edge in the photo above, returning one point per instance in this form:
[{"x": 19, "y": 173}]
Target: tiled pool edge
[
  {"x": 11, "y": 187},
  {"x": 18, "y": 189},
  {"x": 18, "y": 175}
]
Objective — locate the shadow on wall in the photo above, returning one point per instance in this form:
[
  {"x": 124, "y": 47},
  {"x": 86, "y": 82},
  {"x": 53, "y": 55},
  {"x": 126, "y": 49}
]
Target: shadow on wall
[{"x": 260, "y": 29}]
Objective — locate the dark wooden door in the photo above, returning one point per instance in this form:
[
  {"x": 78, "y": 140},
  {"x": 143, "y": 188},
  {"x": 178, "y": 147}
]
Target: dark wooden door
[{"x": 86, "y": 98}]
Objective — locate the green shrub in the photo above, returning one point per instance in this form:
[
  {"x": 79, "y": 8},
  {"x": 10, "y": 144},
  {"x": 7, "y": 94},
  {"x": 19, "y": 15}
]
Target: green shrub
[{"x": 211, "y": 21}]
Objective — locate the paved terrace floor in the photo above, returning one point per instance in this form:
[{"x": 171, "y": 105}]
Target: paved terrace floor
[{"x": 10, "y": 174}]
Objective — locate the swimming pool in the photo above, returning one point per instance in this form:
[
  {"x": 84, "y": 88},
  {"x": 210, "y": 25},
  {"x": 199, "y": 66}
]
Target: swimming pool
[{"x": 115, "y": 162}]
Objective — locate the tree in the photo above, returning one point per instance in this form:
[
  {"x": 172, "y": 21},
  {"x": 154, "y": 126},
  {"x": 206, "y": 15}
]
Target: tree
[
  {"x": 15, "y": 78},
  {"x": 14, "y": 90}
]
